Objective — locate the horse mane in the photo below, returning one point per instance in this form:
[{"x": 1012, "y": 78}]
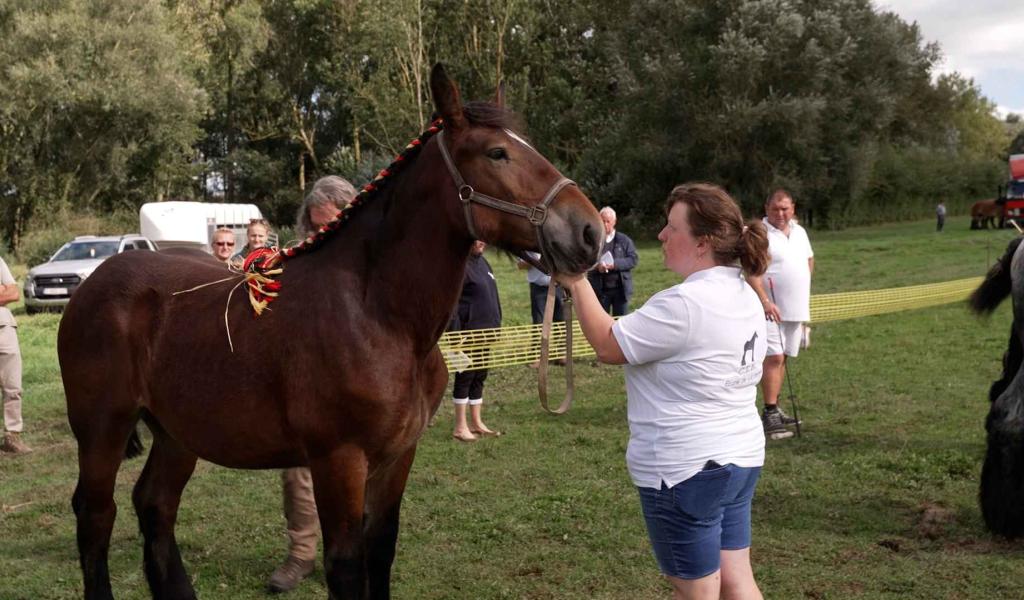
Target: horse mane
[
  {"x": 477, "y": 113},
  {"x": 366, "y": 193}
]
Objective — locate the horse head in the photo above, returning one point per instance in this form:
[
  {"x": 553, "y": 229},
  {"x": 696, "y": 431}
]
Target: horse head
[{"x": 504, "y": 190}]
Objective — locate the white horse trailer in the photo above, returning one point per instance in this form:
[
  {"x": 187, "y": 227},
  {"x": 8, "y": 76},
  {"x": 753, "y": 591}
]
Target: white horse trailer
[{"x": 191, "y": 224}]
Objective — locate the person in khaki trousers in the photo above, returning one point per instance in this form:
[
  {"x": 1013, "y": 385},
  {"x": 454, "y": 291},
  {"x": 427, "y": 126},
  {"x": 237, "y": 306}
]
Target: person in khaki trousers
[
  {"x": 329, "y": 195},
  {"x": 10, "y": 365}
]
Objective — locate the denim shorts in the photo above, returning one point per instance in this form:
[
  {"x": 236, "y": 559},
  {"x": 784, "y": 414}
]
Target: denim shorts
[{"x": 690, "y": 523}]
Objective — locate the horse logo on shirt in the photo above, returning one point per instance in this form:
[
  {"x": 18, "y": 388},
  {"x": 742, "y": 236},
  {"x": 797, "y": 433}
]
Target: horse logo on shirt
[{"x": 748, "y": 345}]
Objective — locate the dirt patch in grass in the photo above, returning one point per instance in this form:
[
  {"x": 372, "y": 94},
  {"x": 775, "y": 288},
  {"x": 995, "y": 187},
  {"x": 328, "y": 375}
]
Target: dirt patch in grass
[{"x": 934, "y": 521}]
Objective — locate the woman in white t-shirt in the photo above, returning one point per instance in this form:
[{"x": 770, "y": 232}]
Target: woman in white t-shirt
[{"x": 693, "y": 357}]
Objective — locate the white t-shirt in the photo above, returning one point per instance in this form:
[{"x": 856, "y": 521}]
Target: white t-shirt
[
  {"x": 536, "y": 276},
  {"x": 6, "y": 278},
  {"x": 789, "y": 271},
  {"x": 694, "y": 352}
]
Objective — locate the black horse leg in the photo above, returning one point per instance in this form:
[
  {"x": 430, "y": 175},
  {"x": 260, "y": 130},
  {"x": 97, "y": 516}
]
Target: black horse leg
[
  {"x": 156, "y": 497},
  {"x": 383, "y": 504},
  {"x": 99, "y": 457},
  {"x": 339, "y": 485},
  {"x": 1002, "y": 476}
]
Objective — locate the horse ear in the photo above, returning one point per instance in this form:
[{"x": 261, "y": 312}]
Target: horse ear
[
  {"x": 499, "y": 95},
  {"x": 446, "y": 98}
]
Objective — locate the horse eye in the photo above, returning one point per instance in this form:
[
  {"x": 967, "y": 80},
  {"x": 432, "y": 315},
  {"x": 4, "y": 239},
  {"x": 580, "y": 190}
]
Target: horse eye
[{"x": 497, "y": 154}]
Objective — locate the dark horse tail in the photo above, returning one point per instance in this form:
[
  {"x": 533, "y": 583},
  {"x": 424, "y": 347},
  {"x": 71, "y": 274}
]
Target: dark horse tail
[
  {"x": 997, "y": 284},
  {"x": 134, "y": 447},
  {"x": 1001, "y": 492}
]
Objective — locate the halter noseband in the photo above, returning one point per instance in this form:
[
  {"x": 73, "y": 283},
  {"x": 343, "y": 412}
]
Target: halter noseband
[{"x": 536, "y": 215}]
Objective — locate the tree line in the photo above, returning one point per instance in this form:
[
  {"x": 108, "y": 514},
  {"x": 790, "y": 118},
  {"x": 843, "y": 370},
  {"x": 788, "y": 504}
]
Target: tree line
[{"x": 106, "y": 104}]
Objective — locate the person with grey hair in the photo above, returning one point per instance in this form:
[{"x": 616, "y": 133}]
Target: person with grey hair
[
  {"x": 328, "y": 197},
  {"x": 612, "y": 278},
  {"x": 324, "y": 201}
]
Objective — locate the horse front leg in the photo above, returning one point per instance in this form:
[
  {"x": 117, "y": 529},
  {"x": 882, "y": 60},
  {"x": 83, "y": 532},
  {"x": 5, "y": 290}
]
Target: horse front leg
[
  {"x": 339, "y": 485},
  {"x": 383, "y": 504}
]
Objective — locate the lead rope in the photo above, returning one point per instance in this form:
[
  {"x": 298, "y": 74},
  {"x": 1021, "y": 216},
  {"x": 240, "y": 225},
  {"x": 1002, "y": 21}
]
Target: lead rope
[{"x": 545, "y": 345}]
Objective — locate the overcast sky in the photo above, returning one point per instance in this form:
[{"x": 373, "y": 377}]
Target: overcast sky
[{"x": 983, "y": 39}]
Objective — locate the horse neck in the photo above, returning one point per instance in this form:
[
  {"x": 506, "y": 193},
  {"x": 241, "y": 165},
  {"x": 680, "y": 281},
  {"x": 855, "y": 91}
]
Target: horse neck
[{"x": 417, "y": 259}]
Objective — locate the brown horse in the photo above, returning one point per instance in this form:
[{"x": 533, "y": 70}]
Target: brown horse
[
  {"x": 984, "y": 214},
  {"x": 342, "y": 374}
]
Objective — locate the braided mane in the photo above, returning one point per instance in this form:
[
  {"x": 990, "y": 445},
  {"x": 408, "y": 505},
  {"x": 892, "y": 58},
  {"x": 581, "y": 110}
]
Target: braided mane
[
  {"x": 263, "y": 266},
  {"x": 369, "y": 191}
]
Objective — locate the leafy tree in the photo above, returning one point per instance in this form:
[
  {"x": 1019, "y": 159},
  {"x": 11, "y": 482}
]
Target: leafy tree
[
  {"x": 225, "y": 37},
  {"x": 97, "y": 109},
  {"x": 1017, "y": 145},
  {"x": 110, "y": 103}
]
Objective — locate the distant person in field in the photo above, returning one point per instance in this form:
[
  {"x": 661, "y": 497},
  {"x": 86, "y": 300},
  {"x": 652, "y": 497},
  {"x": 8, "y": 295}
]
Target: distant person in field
[
  {"x": 10, "y": 366},
  {"x": 785, "y": 292},
  {"x": 223, "y": 244},
  {"x": 612, "y": 278},
  {"x": 325, "y": 200},
  {"x": 940, "y": 216},
  {"x": 693, "y": 356}
]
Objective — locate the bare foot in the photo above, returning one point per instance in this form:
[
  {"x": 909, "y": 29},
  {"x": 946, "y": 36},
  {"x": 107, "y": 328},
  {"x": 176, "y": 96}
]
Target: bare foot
[
  {"x": 483, "y": 430},
  {"x": 464, "y": 436}
]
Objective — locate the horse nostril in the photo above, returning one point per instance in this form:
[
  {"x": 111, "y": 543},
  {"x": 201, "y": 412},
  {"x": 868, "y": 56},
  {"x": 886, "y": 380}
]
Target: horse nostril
[{"x": 590, "y": 236}]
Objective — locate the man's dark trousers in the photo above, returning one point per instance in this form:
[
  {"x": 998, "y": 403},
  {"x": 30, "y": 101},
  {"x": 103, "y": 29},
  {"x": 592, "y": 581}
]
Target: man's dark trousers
[
  {"x": 538, "y": 298},
  {"x": 614, "y": 300}
]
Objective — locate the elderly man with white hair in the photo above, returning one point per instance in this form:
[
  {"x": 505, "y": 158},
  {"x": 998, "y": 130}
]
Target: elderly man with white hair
[{"x": 612, "y": 278}]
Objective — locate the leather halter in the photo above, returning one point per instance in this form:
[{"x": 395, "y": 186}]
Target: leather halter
[{"x": 536, "y": 215}]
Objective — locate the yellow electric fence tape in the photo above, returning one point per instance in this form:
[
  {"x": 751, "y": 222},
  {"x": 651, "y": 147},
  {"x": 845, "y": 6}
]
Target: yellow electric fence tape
[
  {"x": 506, "y": 346},
  {"x": 849, "y": 305}
]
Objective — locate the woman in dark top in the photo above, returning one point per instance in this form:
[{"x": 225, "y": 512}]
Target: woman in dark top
[{"x": 479, "y": 308}]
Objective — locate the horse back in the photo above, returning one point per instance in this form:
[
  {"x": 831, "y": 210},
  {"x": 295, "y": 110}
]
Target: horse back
[{"x": 261, "y": 391}]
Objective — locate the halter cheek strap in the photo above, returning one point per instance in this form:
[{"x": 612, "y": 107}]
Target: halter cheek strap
[{"x": 536, "y": 215}]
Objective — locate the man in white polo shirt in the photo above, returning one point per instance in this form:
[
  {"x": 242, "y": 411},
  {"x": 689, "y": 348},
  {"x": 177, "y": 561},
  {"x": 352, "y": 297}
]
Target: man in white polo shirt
[{"x": 785, "y": 292}]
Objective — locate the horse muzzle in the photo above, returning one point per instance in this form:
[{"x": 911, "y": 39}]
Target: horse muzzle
[{"x": 572, "y": 235}]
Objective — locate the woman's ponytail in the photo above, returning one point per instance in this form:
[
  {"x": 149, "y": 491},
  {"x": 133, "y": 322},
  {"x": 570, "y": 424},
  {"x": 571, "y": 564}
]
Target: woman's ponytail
[{"x": 752, "y": 248}]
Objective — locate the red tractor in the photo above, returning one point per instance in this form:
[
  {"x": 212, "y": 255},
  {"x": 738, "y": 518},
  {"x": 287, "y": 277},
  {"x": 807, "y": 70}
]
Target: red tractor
[{"x": 1011, "y": 197}]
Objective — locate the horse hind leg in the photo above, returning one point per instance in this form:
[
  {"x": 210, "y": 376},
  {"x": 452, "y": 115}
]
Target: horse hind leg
[
  {"x": 156, "y": 497},
  {"x": 99, "y": 457}
]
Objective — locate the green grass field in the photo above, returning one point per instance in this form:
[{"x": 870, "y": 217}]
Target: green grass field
[{"x": 876, "y": 500}]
